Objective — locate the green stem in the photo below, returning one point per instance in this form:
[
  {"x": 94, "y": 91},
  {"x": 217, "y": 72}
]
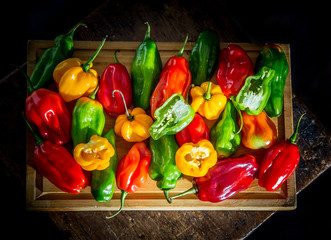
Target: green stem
[
  {"x": 207, "y": 95},
  {"x": 293, "y": 138},
  {"x": 92, "y": 96},
  {"x": 31, "y": 89},
  {"x": 86, "y": 66},
  {"x": 71, "y": 33},
  {"x": 166, "y": 194},
  {"x": 129, "y": 116},
  {"x": 148, "y": 32},
  {"x": 115, "y": 57},
  {"x": 180, "y": 53},
  {"x": 123, "y": 195},
  {"x": 38, "y": 139},
  {"x": 193, "y": 190}
]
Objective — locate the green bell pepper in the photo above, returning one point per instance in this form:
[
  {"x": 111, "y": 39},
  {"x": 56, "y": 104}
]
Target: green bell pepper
[
  {"x": 63, "y": 49},
  {"x": 163, "y": 168},
  {"x": 88, "y": 119},
  {"x": 255, "y": 93},
  {"x": 225, "y": 134},
  {"x": 273, "y": 56},
  {"x": 172, "y": 117},
  {"x": 103, "y": 181},
  {"x": 145, "y": 71},
  {"x": 204, "y": 57}
]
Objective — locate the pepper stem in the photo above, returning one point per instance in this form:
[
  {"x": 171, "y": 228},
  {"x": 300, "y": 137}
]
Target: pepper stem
[
  {"x": 72, "y": 31},
  {"x": 148, "y": 32},
  {"x": 31, "y": 89},
  {"x": 180, "y": 53},
  {"x": 293, "y": 138},
  {"x": 193, "y": 190},
  {"x": 86, "y": 66},
  {"x": 115, "y": 58},
  {"x": 92, "y": 96},
  {"x": 129, "y": 116},
  {"x": 166, "y": 194},
  {"x": 123, "y": 195},
  {"x": 207, "y": 95},
  {"x": 38, "y": 139}
]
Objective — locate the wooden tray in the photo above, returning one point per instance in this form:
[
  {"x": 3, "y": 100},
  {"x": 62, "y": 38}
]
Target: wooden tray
[{"x": 43, "y": 195}]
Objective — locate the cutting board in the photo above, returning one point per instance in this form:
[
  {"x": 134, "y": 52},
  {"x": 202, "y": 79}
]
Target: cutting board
[{"x": 43, "y": 195}]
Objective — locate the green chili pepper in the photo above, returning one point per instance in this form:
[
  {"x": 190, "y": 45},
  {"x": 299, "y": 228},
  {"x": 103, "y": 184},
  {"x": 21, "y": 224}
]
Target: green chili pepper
[
  {"x": 88, "y": 119},
  {"x": 163, "y": 168},
  {"x": 103, "y": 181},
  {"x": 204, "y": 57},
  {"x": 63, "y": 49},
  {"x": 145, "y": 72},
  {"x": 273, "y": 56},
  {"x": 255, "y": 93},
  {"x": 172, "y": 117},
  {"x": 224, "y": 134}
]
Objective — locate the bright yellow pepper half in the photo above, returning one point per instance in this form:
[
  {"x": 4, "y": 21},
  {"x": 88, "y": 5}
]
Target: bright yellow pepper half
[
  {"x": 94, "y": 155},
  {"x": 208, "y": 100},
  {"x": 196, "y": 159}
]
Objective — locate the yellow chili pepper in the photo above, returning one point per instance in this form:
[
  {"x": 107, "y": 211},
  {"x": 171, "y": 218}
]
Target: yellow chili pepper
[
  {"x": 133, "y": 126},
  {"x": 195, "y": 159},
  {"x": 94, "y": 155},
  {"x": 208, "y": 100}
]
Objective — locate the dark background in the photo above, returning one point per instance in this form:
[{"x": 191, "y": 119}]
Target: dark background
[{"x": 305, "y": 26}]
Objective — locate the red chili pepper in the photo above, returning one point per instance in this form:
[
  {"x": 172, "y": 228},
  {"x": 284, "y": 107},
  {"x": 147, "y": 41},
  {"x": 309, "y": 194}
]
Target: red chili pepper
[
  {"x": 279, "y": 162},
  {"x": 228, "y": 177},
  {"x": 115, "y": 76},
  {"x": 234, "y": 67},
  {"x": 174, "y": 78},
  {"x": 194, "y": 132},
  {"x": 132, "y": 171}
]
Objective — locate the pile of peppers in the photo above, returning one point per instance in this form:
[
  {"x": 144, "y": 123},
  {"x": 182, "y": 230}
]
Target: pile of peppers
[{"x": 219, "y": 88}]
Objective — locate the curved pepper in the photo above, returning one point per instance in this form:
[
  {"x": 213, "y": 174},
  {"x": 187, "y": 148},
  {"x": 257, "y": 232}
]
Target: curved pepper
[
  {"x": 172, "y": 117},
  {"x": 233, "y": 68},
  {"x": 225, "y": 134},
  {"x": 258, "y": 131},
  {"x": 279, "y": 162},
  {"x": 174, "y": 78},
  {"x": 208, "y": 100},
  {"x": 204, "y": 56},
  {"x": 163, "y": 168},
  {"x": 132, "y": 171},
  {"x": 103, "y": 181},
  {"x": 145, "y": 71},
  {"x": 273, "y": 56},
  {"x": 194, "y": 159},
  {"x": 94, "y": 155},
  {"x": 63, "y": 49},
  {"x": 228, "y": 177},
  {"x": 115, "y": 77},
  {"x": 133, "y": 126},
  {"x": 79, "y": 81},
  {"x": 194, "y": 132}
]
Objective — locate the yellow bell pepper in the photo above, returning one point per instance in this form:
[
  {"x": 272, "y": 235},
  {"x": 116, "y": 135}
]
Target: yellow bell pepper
[
  {"x": 208, "y": 100},
  {"x": 94, "y": 155},
  {"x": 133, "y": 126},
  {"x": 64, "y": 66},
  {"x": 195, "y": 159}
]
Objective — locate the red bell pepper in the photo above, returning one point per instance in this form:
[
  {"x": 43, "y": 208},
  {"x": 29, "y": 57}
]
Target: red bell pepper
[
  {"x": 234, "y": 67},
  {"x": 228, "y": 177},
  {"x": 194, "y": 132},
  {"x": 55, "y": 163},
  {"x": 175, "y": 77},
  {"x": 115, "y": 76},
  {"x": 132, "y": 171},
  {"x": 279, "y": 162}
]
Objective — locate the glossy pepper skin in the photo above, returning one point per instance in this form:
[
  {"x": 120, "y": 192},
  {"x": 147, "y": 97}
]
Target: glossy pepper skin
[
  {"x": 132, "y": 171},
  {"x": 55, "y": 163},
  {"x": 225, "y": 134},
  {"x": 172, "y": 117},
  {"x": 174, "y": 78},
  {"x": 204, "y": 57},
  {"x": 234, "y": 67},
  {"x": 115, "y": 77},
  {"x": 64, "y": 66},
  {"x": 279, "y": 162},
  {"x": 88, "y": 119},
  {"x": 258, "y": 131},
  {"x": 273, "y": 56},
  {"x": 254, "y": 95},
  {"x": 163, "y": 168},
  {"x": 194, "y": 132},
  {"x": 228, "y": 177},
  {"x": 63, "y": 49},
  {"x": 103, "y": 181},
  {"x": 145, "y": 71}
]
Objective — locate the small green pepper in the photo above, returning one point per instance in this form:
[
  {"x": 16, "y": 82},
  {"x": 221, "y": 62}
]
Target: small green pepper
[
  {"x": 163, "y": 168},
  {"x": 172, "y": 117},
  {"x": 204, "y": 57},
  {"x": 224, "y": 134}
]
